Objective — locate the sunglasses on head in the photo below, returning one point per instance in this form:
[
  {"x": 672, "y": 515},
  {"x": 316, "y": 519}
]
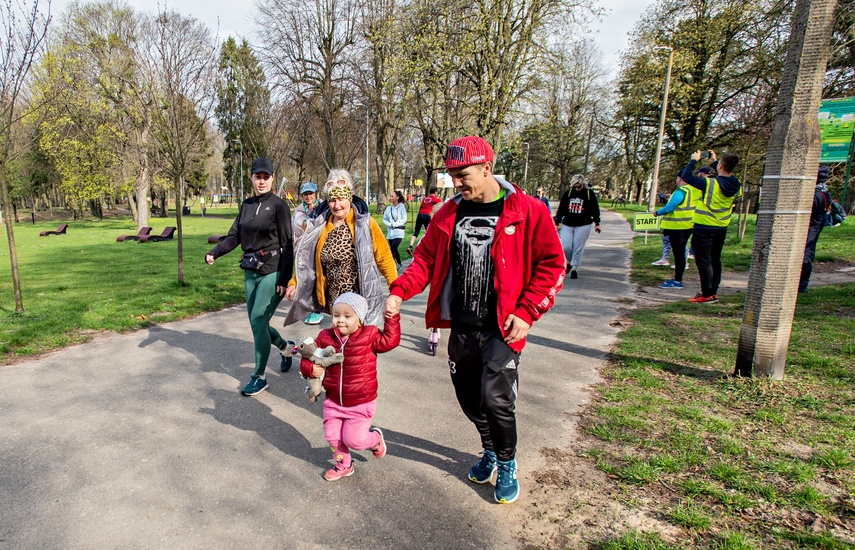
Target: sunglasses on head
[{"x": 336, "y": 182}]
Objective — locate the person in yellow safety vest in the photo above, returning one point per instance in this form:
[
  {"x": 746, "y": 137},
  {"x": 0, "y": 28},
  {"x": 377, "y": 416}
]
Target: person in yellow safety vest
[
  {"x": 676, "y": 224},
  {"x": 712, "y": 216}
]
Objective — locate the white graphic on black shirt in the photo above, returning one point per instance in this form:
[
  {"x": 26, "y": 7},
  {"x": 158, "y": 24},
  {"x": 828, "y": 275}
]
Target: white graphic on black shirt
[
  {"x": 576, "y": 206},
  {"x": 473, "y": 236}
]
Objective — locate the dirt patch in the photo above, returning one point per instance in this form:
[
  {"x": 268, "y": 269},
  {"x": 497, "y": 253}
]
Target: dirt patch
[{"x": 574, "y": 504}]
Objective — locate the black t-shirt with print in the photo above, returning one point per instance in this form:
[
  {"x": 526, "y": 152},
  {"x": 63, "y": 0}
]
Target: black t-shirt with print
[{"x": 473, "y": 304}]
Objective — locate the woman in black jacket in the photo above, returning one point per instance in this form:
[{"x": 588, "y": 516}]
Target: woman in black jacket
[
  {"x": 577, "y": 210},
  {"x": 263, "y": 231}
]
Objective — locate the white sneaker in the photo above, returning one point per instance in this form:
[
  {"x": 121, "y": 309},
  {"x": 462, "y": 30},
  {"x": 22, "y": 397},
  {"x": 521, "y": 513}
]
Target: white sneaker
[{"x": 661, "y": 262}]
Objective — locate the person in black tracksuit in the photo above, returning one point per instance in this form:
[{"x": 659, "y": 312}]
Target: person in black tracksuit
[
  {"x": 263, "y": 226},
  {"x": 821, "y": 205}
]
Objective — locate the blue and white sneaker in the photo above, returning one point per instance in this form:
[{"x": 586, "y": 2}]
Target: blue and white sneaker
[
  {"x": 256, "y": 385},
  {"x": 484, "y": 470},
  {"x": 671, "y": 283},
  {"x": 314, "y": 319},
  {"x": 507, "y": 486}
]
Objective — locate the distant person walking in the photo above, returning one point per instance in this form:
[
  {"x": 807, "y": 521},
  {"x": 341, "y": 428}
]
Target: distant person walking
[
  {"x": 263, "y": 231},
  {"x": 821, "y": 206},
  {"x": 712, "y": 216},
  {"x": 494, "y": 265},
  {"x": 541, "y": 195},
  {"x": 308, "y": 202},
  {"x": 577, "y": 210},
  {"x": 424, "y": 215},
  {"x": 395, "y": 219},
  {"x": 676, "y": 224}
]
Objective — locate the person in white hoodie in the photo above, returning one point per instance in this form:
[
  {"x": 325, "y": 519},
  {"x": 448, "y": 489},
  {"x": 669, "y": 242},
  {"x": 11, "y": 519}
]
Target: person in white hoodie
[{"x": 395, "y": 219}]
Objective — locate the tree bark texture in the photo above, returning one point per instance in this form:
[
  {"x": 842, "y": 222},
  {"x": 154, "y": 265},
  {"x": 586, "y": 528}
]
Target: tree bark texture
[{"x": 792, "y": 159}]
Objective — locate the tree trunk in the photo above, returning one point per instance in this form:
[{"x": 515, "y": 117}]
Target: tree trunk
[
  {"x": 143, "y": 182},
  {"x": 10, "y": 234},
  {"x": 792, "y": 158},
  {"x": 179, "y": 212}
]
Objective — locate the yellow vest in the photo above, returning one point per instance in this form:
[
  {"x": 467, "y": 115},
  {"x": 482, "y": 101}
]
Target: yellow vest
[
  {"x": 681, "y": 217},
  {"x": 714, "y": 208}
]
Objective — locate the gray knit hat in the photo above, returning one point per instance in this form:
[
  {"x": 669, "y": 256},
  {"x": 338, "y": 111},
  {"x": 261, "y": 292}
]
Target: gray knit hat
[{"x": 355, "y": 301}]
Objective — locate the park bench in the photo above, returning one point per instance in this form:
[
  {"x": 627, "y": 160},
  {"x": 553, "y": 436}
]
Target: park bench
[
  {"x": 142, "y": 233},
  {"x": 166, "y": 235},
  {"x": 214, "y": 239},
  {"x": 59, "y": 231}
]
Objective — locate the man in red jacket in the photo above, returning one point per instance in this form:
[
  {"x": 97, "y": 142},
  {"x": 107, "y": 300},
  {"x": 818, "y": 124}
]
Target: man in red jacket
[{"x": 494, "y": 264}]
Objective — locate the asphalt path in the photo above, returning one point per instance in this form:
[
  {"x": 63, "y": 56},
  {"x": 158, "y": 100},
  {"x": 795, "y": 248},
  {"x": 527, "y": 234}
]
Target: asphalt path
[{"x": 141, "y": 440}]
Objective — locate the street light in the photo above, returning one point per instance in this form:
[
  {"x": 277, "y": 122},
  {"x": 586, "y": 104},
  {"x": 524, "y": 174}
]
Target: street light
[
  {"x": 242, "y": 193},
  {"x": 654, "y": 184},
  {"x": 525, "y": 172},
  {"x": 366, "y": 150}
]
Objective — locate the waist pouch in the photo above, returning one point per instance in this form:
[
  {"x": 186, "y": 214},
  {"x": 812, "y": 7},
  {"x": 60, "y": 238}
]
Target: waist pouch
[{"x": 254, "y": 261}]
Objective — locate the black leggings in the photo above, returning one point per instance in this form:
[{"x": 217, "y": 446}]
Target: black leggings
[
  {"x": 394, "y": 244},
  {"x": 422, "y": 220},
  {"x": 679, "y": 239},
  {"x": 485, "y": 377}
]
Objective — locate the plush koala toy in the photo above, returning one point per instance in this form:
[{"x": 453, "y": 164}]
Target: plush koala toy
[{"x": 326, "y": 357}]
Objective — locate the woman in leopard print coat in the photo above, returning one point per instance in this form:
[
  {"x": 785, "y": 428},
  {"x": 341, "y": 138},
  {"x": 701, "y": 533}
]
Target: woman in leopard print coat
[{"x": 342, "y": 250}]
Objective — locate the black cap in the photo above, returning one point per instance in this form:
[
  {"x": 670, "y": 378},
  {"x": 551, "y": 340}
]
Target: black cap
[{"x": 261, "y": 164}]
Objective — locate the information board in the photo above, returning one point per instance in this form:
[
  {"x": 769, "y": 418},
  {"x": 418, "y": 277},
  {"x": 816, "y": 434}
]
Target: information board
[{"x": 836, "y": 122}]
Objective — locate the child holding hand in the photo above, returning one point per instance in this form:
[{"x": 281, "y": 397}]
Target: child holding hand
[{"x": 351, "y": 386}]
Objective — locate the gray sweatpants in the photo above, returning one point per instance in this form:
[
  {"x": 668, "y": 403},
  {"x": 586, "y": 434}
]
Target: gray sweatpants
[{"x": 573, "y": 241}]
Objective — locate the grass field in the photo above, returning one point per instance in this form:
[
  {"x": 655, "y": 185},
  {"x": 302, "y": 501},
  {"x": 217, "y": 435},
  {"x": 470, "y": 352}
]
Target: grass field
[
  {"x": 731, "y": 463},
  {"x": 85, "y": 282}
]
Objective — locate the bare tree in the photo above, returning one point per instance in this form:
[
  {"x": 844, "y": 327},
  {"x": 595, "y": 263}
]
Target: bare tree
[
  {"x": 185, "y": 72},
  {"x": 306, "y": 47},
  {"x": 24, "y": 31},
  {"x": 792, "y": 159}
]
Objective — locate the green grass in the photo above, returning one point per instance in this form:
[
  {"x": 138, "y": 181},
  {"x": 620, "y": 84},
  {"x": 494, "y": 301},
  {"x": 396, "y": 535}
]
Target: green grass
[
  {"x": 746, "y": 460},
  {"x": 85, "y": 282}
]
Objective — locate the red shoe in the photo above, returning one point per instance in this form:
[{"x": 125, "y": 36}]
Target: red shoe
[
  {"x": 380, "y": 450},
  {"x": 339, "y": 471},
  {"x": 701, "y": 299}
]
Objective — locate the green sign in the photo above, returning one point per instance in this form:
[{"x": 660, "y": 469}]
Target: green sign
[
  {"x": 836, "y": 122},
  {"x": 643, "y": 221}
]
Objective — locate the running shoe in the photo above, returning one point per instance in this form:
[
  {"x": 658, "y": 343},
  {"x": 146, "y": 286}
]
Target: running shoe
[
  {"x": 661, "y": 262},
  {"x": 507, "y": 486},
  {"x": 314, "y": 319},
  {"x": 483, "y": 471},
  {"x": 671, "y": 283},
  {"x": 256, "y": 385},
  {"x": 701, "y": 299}
]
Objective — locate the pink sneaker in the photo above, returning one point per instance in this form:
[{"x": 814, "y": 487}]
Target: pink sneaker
[
  {"x": 339, "y": 471},
  {"x": 380, "y": 450}
]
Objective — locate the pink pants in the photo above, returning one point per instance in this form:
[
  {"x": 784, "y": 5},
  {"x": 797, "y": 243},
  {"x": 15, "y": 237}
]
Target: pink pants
[{"x": 347, "y": 428}]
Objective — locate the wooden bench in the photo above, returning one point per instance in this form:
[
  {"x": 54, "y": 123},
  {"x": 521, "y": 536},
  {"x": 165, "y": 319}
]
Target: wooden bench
[
  {"x": 142, "y": 233},
  {"x": 214, "y": 239},
  {"x": 166, "y": 235},
  {"x": 59, "y": 231}
]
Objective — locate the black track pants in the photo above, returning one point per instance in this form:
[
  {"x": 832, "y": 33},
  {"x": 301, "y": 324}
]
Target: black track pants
[{"x": 484, "y": 373}]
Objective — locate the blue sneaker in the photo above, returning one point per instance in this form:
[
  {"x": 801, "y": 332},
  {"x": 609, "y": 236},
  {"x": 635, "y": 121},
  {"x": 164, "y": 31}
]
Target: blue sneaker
[
  {"x": 483, "y": 471},
  {"x": 255, "y": 386},
  {"x": 671, "y": 283},
  {"x": 507, "y": 486},
  {"x": 285, "y": 363},
  {"x": 314, "y": 319}
]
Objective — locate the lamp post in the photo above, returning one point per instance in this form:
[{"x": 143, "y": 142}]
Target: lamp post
[
  {"x": 242, "y": 193},
  {"x": 654, "y": 184},
  {"x": 525, "y": 172},
  {"x": 367, "y": 196}
]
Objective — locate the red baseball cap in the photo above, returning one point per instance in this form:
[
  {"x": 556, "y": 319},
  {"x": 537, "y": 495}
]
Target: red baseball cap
[{"x": 466, "y": 151}]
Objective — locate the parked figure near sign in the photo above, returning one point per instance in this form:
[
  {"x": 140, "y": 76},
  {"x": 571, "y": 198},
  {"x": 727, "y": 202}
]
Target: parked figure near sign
[
  {"x": 263, "y": 231},
  {"x": 821, "y": 206},
  {"x": 577, "y": 210},
  {"x": 676, "y": 224},
  {"x": 711, "y": 218},
  {"x": 494, "y": 265}
]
